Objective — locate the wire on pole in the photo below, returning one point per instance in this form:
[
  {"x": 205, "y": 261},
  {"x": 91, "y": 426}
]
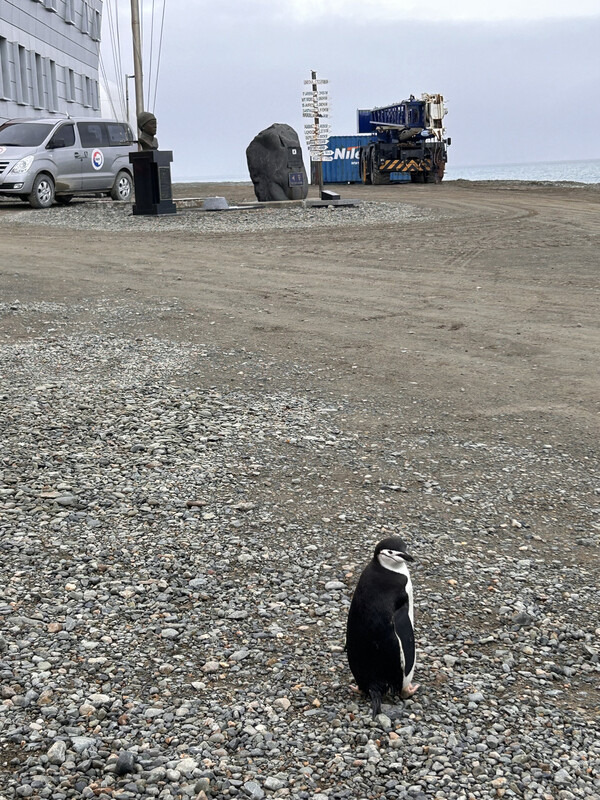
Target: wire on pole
[{"x": 160, "y": 41}]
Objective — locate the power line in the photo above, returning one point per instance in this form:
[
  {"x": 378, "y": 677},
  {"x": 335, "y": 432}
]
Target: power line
[
  {"x": 106, "y": 87},
  {"x": 116, "y": 57},
  {"x": 154, "y": 54},
  {"x": 120, "y": 62},
  {"x": 162, "y": 27}
]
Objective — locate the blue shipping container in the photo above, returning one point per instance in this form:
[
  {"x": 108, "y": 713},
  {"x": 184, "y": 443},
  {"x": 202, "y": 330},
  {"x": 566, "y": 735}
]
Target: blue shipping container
[{"x": 344, "y": 166}]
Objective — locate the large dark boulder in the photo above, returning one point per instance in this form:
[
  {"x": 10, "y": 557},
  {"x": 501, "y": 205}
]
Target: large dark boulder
[{"x": 275, "y": 164}]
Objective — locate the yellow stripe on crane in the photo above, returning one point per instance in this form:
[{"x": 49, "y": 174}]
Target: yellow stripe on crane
[{"x": 412, "y": 165}]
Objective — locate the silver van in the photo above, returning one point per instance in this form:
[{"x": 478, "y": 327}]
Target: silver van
[{"x": 42, "y": 160}]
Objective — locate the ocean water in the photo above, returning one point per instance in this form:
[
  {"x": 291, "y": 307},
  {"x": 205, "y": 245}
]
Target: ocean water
[
  {"x": 216, "y": 178},
  {"x": 577, "y": 171},
  {"x": 572, "y": 171}
]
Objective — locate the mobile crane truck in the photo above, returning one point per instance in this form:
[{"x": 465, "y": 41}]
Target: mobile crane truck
[{"x": 407, "y": 139}]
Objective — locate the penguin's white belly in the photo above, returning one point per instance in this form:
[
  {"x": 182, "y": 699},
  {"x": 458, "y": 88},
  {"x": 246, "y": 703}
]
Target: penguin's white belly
[
  {"x": 411, "y": 614},
  {"x": 407, "y": 679},
  {"x": 411, "y": 608},
  {"x": 401, "y": 568}
]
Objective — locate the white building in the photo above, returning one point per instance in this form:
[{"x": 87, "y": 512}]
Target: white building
[{"x": 49, "y": 56}]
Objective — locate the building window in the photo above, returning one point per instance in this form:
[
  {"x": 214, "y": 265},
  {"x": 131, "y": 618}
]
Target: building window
[
  {"x": 52, "y": 86},
  {"x": 5, "y": 87},
  {"x": 35, "y": 92},
  {"x": 85, "y": 18},
  {"x": 39, "y": 101},
  {"x": 87, "y": 92},
  {"x": 70, "y": 91},
  {"x": 70, "y": 12},
  {"x": 24, "y": 75},
  {"x": 20, "y": 93},
  {"x": 95, "y": 25}
]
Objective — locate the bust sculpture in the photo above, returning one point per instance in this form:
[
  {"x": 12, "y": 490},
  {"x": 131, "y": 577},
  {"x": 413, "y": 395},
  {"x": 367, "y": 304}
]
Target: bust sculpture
[{"x": 147, "y": 124}]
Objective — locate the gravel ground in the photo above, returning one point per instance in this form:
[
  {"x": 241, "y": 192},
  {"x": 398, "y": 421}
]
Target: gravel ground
[
  {"x": 104, "y": 215},
  {"x": 178, "y": 562}
]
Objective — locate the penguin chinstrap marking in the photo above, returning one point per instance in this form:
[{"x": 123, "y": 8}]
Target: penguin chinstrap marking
[{"x": 380, "y": 640}]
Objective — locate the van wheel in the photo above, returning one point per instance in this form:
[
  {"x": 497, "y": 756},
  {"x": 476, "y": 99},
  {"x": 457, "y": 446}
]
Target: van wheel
[
  {"x": 42, "y": 192},
  {"x": 122, "y": 187},
  {"x": 64, "y": 199}
]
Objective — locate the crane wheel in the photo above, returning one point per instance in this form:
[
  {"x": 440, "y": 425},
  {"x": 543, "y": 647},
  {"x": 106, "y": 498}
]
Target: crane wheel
[{"x": 364, "y": 172}]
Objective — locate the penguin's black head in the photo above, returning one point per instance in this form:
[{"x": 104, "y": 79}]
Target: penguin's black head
[{"x": 391, "y": 553}]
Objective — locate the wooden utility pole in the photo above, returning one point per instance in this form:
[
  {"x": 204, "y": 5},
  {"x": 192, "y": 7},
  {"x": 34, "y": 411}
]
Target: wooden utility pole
[{"x": 137, "y": 57}]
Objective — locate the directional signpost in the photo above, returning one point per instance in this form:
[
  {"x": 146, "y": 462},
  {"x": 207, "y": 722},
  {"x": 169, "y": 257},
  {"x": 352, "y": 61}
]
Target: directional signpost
[{"x": 315, "y": 105}]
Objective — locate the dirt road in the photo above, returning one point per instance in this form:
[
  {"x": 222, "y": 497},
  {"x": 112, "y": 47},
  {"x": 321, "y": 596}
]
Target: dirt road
[{"x": 490, "y": 308}]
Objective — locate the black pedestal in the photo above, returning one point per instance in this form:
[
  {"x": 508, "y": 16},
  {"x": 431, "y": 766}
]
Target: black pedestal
[{"x": 152, "y": 182}]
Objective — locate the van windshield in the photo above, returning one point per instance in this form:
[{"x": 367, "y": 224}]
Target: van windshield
[{"x": 24, "y": 134}]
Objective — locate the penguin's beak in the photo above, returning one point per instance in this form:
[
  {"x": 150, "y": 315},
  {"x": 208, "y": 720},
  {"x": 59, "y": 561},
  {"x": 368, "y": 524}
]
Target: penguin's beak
[{"x": 407, "y": 557}]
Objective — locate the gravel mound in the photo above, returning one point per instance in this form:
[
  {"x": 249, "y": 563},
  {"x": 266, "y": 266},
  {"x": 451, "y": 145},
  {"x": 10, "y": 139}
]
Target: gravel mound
[
  {"x": 177, "y": 565},
  {"x": 104, "y": 215}
]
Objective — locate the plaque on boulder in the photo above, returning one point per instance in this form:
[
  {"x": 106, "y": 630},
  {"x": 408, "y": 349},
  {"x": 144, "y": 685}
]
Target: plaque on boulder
[{"x": 275, "y": 164}]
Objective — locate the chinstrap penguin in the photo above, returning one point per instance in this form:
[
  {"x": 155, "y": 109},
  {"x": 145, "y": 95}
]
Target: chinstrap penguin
[{"x": 380, "y": 639}]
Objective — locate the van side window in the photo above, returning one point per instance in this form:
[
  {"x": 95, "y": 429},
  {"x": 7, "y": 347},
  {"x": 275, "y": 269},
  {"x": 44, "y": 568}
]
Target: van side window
[
  {"x": 92, "y": 134},
  {"x": 64, "y": 135},
  {"x": 118, "y": 134}
]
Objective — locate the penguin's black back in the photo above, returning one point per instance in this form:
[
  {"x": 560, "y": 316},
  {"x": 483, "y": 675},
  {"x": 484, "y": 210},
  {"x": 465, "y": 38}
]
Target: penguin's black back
[{"x": 371, "y": 640}]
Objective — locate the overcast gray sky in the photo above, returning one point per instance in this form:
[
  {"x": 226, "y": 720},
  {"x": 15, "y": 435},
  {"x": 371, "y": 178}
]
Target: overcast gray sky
[{"x": 521, "y": 78}]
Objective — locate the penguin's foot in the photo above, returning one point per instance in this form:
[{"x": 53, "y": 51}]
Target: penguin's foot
[
  {"x": 375, "y": 695},
  {"x": 409, "y": 690}
]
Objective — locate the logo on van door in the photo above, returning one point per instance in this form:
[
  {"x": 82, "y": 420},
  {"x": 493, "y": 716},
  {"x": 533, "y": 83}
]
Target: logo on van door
[{"x": 97, "y": 159}]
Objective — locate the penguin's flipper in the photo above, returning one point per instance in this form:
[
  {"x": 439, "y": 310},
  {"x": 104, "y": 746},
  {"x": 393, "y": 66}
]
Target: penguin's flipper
[{"x": 406, "y": 638}]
